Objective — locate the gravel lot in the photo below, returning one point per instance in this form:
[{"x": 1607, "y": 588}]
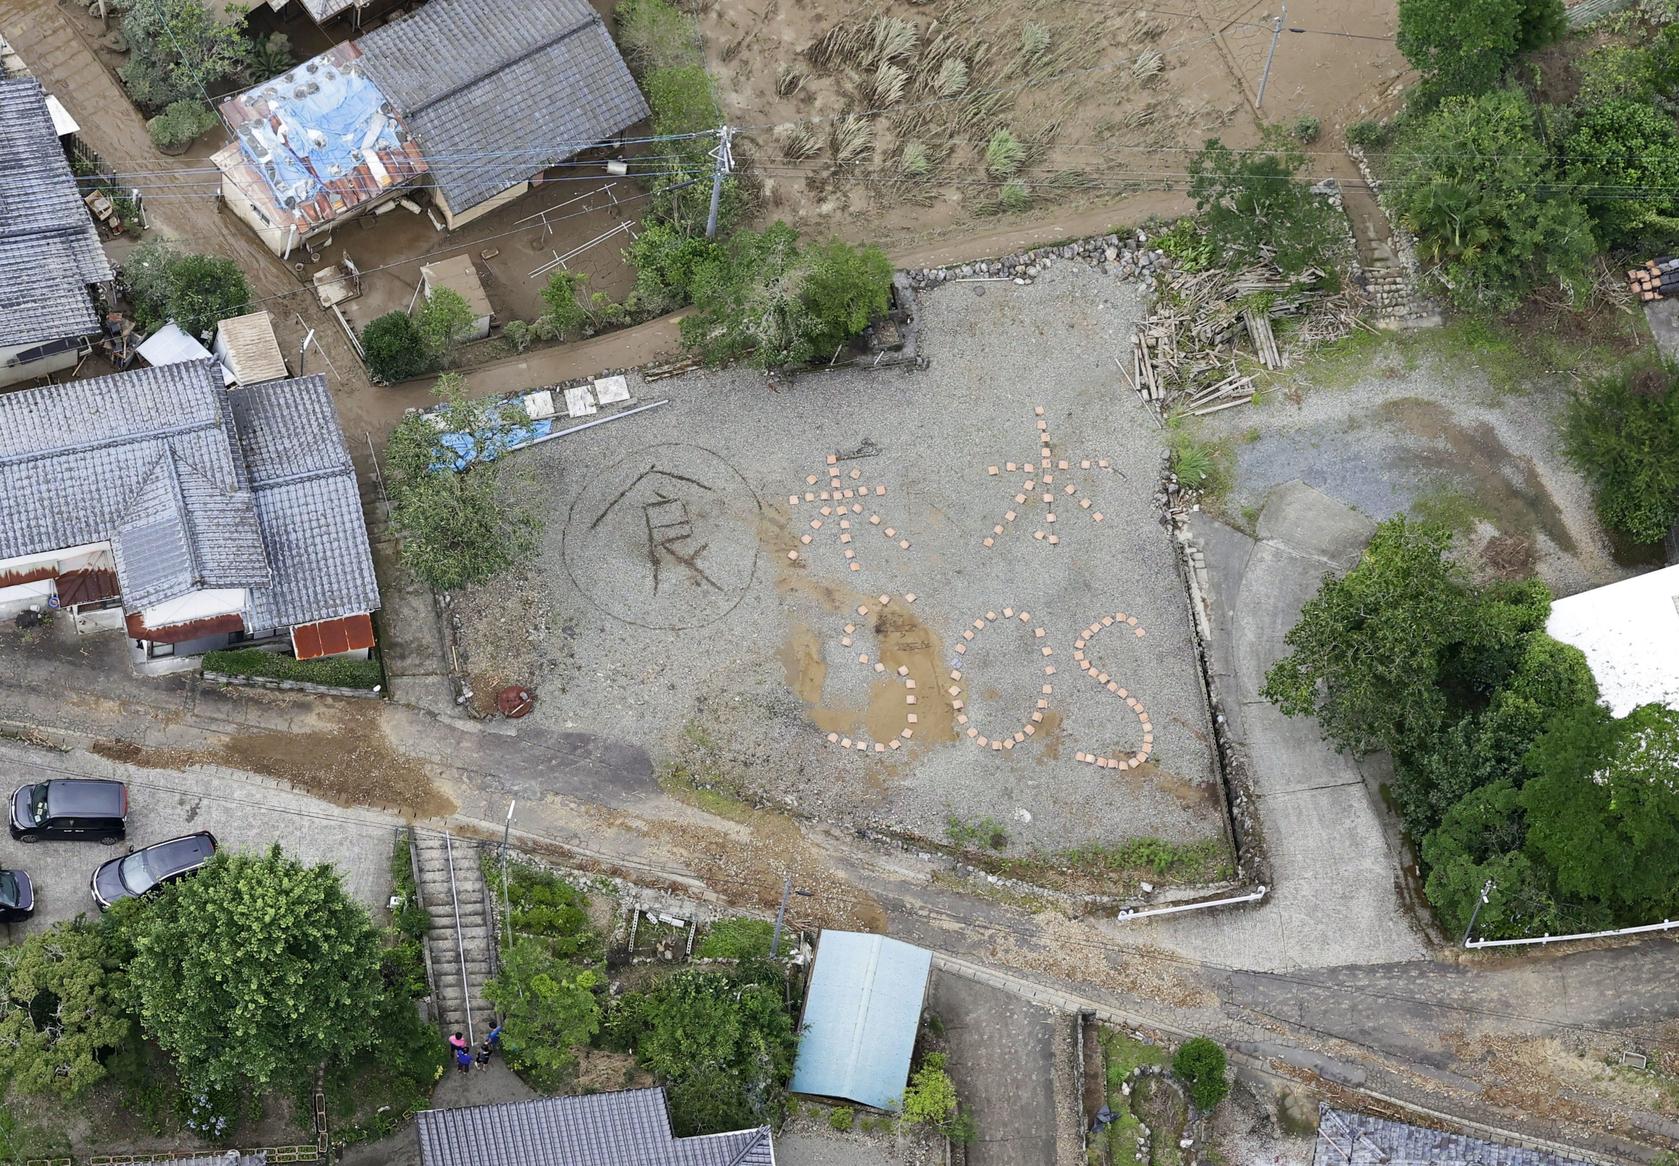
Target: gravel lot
[
  {"x": 737, "y": 658},
  {"x": 1419, "y": 427}
]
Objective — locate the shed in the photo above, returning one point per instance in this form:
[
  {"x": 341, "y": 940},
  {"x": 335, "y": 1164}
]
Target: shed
[
  {"x": 171, "y": 345},
  {"x": 861, "y": 1014},
  {"x": 246, "y": 345},
  {"x": 1629, "y": 632},
  {"x": 458, "y": 274}
]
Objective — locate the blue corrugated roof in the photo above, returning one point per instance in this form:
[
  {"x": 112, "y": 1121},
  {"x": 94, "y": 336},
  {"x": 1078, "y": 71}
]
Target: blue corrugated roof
[{"x": 862, "y": 1010}]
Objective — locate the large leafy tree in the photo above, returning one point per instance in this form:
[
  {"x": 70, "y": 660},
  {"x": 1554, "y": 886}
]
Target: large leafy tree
[
  {"x": 1603, "y": 809},
  {"x": 1623, "y": 434},
  {"x": 178, "y": 50},
  {"x": 1253, "y": 203},
  {"x": 58, "y": 1016},
  {"x": 444, "y": 486},
  {"x": 845, "y": 289},
  {"x": 443, "y": 320},
  {"x": 195, "y": 291},
  {"x": 1464, "y": 46},
  {"x": 255, "y": 971},
  {"x": 548, "y": 1008},
  {"x": 395, "y": 348},
  {"x": 1622, "y": 154},
  {"x": 1480, "y": 191}
]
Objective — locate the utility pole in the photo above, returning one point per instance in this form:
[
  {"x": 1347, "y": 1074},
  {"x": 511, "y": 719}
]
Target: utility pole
[
  {"x": 724, "y": 156},
  {"x": 1276, "y": 31},
  {"x": 302, "y": 349},
  {"x": 787, "y": 883},
  {"x": 507, "y": 829},
  {"x": 1473, "y": 915}
]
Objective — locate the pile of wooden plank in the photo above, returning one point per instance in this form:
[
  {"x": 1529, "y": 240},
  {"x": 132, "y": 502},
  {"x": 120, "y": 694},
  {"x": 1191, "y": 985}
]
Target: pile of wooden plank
[
  {"x": 1209, "y": 331},
  {"x": 1657, "y": 279}
]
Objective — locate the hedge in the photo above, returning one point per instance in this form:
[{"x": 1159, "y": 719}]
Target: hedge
[{"x": 365, "y": 674}]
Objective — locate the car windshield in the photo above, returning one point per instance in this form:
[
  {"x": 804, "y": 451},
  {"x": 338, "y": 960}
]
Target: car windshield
[
  {"x": 38, "y": 802},
  {"x": 137, "y": 874},
  {"x": 8, "y": 889}
]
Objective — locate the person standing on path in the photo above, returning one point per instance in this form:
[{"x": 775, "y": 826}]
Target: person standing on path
[
  {"x": 492, "y": 1040},
  {"x": 463, "y": 1060},
  {"x": 457, "y": 1042},
  {"x": 483, "y": 1057}
]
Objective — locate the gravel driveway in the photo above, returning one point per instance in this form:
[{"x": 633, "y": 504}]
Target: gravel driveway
[{"x": 686, "y": 613}]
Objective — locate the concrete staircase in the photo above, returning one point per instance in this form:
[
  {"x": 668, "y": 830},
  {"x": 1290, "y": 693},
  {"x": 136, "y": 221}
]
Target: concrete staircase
[{"x": 462, "y": 933}]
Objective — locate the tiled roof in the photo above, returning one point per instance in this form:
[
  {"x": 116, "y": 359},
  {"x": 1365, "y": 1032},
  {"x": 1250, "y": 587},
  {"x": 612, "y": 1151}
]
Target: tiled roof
[
  {"x": 1346, "y": 1138},
  {"x": 627, "y": 1128},
  {"x": 193, "y": 486},
  {"x": 49, "y": 247},
  {"x": 308, "y": 505},
  {"x": 527, "y": 93}
]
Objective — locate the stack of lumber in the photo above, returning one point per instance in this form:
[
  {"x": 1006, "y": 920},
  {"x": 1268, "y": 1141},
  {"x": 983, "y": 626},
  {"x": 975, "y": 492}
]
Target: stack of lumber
[
  {"x": 1189, "y": 355},
  {"x": 1657, "y": 279}
]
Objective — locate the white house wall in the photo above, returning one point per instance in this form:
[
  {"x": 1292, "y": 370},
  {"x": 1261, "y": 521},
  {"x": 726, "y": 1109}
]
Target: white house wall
[{"x": 199, "y": 605}]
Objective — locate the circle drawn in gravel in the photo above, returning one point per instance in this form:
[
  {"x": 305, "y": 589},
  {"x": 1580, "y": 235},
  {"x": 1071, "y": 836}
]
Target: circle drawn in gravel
[{"x": 665, "y": 538}]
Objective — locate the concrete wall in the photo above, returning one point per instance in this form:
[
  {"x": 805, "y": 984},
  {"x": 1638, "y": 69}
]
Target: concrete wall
[
  {"x": 453, "y": 219},
  {"x": 16, "y": 374}
]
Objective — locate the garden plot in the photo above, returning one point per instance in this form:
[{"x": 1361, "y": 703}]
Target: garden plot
[{"x": 959, "y": 642}]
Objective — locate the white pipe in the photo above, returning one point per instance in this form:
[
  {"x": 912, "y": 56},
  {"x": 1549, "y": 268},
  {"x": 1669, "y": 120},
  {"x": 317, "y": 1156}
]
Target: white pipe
[
  {"x": 1664, "y": 925},
  {"x": 1128, "y": 915}
]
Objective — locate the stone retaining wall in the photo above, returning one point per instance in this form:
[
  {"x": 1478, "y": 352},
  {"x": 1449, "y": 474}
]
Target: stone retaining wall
[
  {"x": 275, "y": 684},
  {"x": 1124, "y": 256}
]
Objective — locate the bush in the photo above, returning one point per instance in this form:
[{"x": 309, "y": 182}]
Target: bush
[
  {"x": 180, "y": 124},
  {"x": 1623, "y": 434},
  {"x": 518, "y": 334},
  {"x": 548, "y": 1009},
  {"x": 1478, "y": 188},
  {"x": 1368, "y": 135},
  {"x": 358, "y": 674},
  {"x": 1306, "y": 129},
  {"x": 1252, "y": 203},
  {"x": 195, "y": 291},
  {"x": 565, "y": 315},
  {"x": 395, "y": 349},
  {"x": 1620, "y": 152},
  {"x": 1200, "y": 1064},
  {"x": 178, "y": 50},
  {"x": 666, "y": 259},
  {"x": 1465, "y": 46},
  {"x": 930, "y": 1097},
  {"x": 842, "y": 1118}
]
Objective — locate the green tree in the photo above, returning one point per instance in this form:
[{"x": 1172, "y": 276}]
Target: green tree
[
  {"x": 395, "y": 349},
  {"x": 845, "y": 288},
  {"x": 666, "y": 259},
  {"x": 1603, "y": 809},
  {"x": 1253, "y": 203},
  {"x": 1480, "y": 191},
  {"x": 747, "y": 303},
  {"x": 173, "y": 130},
  {"x": 255, "y": 972},
  {"x": 455, "y": 527},
  {"x": 1622, "y": 154},
  {"x": 683, "y": 101},
  {"x": 1365, "y": 655},
  {"x": 548, "y": 1008},
  {"x": 566, "y": 314},
  {"x": 443, "y": 320},
  {"x": 1464, "y": 46},
  {"x": 930, "y": 1098},
  {"x": 1622, "y": 432},
  {"x": 195, "y": 291},
  {"x": 178, "y": 50},
  {"x": 58, "y": 1015},
  {"x": 1199, "y": 1063}
]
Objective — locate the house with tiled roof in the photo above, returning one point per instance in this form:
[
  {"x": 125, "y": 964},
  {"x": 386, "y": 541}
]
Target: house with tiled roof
[
  {"x": 454, "y": 99},
  {"x": 630, "y": 1127},
  {"x": 192, "y": 516},
  {"x": 50, "y": 255}
]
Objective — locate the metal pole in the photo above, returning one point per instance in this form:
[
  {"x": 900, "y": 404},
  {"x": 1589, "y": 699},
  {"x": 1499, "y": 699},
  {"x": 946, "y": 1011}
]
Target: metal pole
[
  {"x": 725, "y": 164},
  {"x": 1473, "y": 915},
  {"x": 1276, "y": 31},
  {"x": 506, "y": 829},
  {"x": 781, "y": 916}
]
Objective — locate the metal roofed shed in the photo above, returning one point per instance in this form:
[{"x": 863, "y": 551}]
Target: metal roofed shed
[
  {"x": 861, "y": 1014},
  {"x": 1629, "y": 632},
  {"x": 459, "y": 275},
  {"x": 170, "y": 345},
  {"x": 1346, "y": 1138},
  {"x": 313, "y": 146},
  {"x": 630, "y": 1127},
  {"x": 246, "y": 345},
  {"x": 495, "y": 101}
]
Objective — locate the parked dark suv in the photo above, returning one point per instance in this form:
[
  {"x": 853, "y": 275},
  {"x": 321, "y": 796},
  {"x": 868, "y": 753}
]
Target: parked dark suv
[
  {"x": 71, "y": 808},
  {"x": 139, "y": 871},
  {"x": 17, "y": 896}
]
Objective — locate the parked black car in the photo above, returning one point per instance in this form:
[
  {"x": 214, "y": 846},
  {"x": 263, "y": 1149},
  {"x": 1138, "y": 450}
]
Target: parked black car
[
  {"x": 17, "y": 896},
  {"x": 71, "y": 808},
  {"x": 139, "y": 871}
]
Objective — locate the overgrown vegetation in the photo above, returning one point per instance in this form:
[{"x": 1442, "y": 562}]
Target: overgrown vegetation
[
  {"x": 736, "y": 939},
  {"x": 179, "y": 50},
  {"x": 394, "y": 348},
  {"x": 1467, "y": 46},
  {"x": 1622, "y": 431},
  {"x": 456, "y": 527},
  {"x": 195, "y": 291},
  {"x": 180, "y": 124},
  {"x": 1505, "y": 764},
  {"x": 930, "y": 1099},
  {"x": 985, "y": 832},
  {"x": 360, "y": 674},
  {"x": 1253, "y": 204}
]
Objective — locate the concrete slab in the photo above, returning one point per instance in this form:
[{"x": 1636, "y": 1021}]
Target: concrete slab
[
  {"x": 1663, "y": 316},
  {"x": 1309, "y": 522}
]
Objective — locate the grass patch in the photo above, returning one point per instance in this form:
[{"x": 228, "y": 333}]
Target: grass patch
[
  {"x": 1125, "y": 1055},
  {"x": 1207, "y": 466},
  {"x": 696, "y": 775},
  {"x": 1453, "y": 509},
  {"x": 364, "y": 675},
  {"x": 986, "y": 832},
  {"x": 1338, "y": 364},
  {"x": 736, "y": 939},
  {"x": 1204, "y": 861}
]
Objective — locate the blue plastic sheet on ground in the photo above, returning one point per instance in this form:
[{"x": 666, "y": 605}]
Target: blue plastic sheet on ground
[{"x": 465, "y": 445}]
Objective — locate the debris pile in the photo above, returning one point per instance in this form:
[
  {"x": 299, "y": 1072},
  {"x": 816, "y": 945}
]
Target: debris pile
[{"x": 1209, "y": 331}]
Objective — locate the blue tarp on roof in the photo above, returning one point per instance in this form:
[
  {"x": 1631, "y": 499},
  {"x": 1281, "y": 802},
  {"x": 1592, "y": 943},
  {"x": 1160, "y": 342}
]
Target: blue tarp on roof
[{"x": 862, "y": 1011}]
